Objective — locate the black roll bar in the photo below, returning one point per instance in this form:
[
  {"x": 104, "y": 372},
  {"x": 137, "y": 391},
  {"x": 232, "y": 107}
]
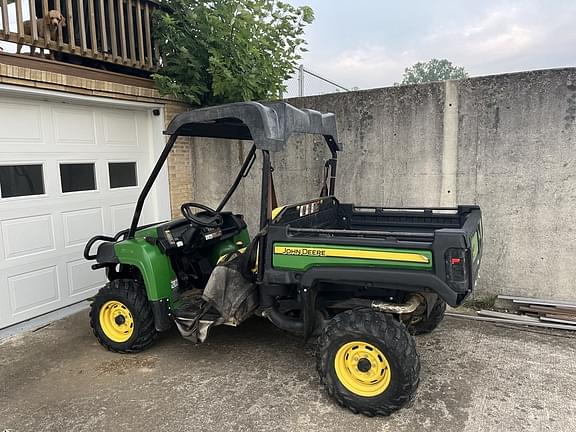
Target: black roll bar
[
  {"x": 333, "y": 164},
  {"x": 246, "y": 166},
  {"x": 268, "y": 125},
  {"x": 149, "y": 184},
  {"x": 265, "y": 189}
]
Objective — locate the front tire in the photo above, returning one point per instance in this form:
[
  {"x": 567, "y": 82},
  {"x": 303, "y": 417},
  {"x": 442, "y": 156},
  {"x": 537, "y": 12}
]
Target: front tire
[
  {"x": 368, "y": 362},
  {"x": 121, "y": 317}
]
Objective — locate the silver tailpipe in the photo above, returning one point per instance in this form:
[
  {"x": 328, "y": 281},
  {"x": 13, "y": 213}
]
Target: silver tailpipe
[{"x": 409, "y": 307}]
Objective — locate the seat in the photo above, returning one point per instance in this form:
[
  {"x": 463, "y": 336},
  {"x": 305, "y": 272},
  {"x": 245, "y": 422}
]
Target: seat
[{"x": 106, "y": 253}]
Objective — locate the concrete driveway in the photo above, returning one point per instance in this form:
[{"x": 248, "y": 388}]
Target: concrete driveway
[{"x": 475, "y": 377}]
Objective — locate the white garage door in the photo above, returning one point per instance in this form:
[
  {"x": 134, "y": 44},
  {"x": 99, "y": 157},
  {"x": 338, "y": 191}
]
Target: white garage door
[{"x": 67, "y": 172}]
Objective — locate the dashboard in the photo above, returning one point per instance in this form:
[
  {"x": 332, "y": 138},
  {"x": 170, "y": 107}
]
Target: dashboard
[{"x": 183, "y": 236}]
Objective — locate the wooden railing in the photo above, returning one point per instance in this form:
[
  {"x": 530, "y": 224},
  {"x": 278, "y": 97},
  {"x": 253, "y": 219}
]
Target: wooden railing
[{"x": 114, "y": 31}]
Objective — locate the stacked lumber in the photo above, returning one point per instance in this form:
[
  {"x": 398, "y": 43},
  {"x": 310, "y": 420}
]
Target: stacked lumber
[
  {"x": 554, "y": 311},
  {"x": 556, "y": 314}
]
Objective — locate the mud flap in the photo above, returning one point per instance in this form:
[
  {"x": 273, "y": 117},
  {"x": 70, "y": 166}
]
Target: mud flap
[{"x": 229, "y": 292}]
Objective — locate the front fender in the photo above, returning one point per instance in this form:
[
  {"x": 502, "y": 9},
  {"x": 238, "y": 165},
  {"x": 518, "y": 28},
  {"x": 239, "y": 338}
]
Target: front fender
[{"x": 154, "y": 266}]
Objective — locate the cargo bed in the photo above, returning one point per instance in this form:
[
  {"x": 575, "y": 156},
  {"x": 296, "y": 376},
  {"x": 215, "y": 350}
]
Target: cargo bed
[{"x": 324, "y": 233}]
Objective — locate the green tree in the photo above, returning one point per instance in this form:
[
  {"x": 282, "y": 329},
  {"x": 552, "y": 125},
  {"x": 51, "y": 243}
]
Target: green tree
[
  {"x": 218, "y": 51},
  {"x": 433, "y": 70}
]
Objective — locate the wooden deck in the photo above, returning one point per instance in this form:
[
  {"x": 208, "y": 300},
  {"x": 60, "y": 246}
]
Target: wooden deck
[{"x": 113, "y": 31}]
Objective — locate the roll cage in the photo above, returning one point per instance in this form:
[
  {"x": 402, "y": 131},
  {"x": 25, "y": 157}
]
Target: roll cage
[{"x": 268, "y": 125}]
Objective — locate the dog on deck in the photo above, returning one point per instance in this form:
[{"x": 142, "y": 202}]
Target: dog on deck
[{"x": 47, "y": 25}]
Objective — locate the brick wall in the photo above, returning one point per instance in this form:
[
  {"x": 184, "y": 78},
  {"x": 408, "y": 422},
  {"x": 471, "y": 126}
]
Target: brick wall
[
  {"x": 42, "y": 79},
  {"x": 179, "y": 165}
]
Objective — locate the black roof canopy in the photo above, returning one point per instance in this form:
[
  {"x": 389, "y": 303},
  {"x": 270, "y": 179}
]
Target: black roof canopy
[{"x": 268, "y": 125}]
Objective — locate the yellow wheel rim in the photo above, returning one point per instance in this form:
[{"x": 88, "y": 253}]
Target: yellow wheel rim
[
  {"x": 362, "y": 369},
  {"x": 116, "y": 321}
]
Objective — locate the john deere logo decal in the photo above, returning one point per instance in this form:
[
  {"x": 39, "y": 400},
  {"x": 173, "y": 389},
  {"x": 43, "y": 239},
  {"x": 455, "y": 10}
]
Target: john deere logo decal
[
  {"x": 300, "y": 251},
  {"x": 384, "y": 255}
]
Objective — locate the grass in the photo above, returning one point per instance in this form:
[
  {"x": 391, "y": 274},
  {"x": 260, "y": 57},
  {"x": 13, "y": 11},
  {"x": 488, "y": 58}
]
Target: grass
[{"x": 477, "y": 303}]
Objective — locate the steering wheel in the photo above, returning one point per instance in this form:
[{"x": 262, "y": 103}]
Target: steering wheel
[{"x": 211, "y": 219}]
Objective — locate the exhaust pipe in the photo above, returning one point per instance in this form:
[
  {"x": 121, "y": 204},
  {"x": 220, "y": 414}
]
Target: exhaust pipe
[
  {"x": 296, "y": 326},
  {"x": 291, "y": 325},
  {"x": 404, "y": 308},
  {"x": 409, "y": 307}
]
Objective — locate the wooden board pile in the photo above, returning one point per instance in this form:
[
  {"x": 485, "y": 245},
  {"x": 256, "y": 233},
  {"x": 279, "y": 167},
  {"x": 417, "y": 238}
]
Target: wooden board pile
[
  {"x": 560, "y": 314},
  {"x": 556, "y": 314}
]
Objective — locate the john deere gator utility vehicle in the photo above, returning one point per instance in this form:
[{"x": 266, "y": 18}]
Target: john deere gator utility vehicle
[{"x": 361, "y": 280}]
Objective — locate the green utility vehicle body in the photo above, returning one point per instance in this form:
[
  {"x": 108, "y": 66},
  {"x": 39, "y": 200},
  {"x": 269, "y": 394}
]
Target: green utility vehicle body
[
  {"x": 291, "y": 257},
  {"x": 155, "y": 267},
  {"x": 362, "y": 279}
]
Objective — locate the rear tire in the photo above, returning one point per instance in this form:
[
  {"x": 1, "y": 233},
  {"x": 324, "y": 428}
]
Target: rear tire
[
  {"x": 368, "y": 362},
  {"x": 121, "y": 317},
  {"x": 429, "y": 324}
]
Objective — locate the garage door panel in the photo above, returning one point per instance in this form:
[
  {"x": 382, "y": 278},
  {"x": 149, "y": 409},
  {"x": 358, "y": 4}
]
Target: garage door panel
[
  {"x": 27, "y": 236},
  {"x": 82, "y": 280},
  {"x": 121, "y": 216},
  {"x": 5, "y": 308},
  {"x": 120, "y": 128},
  {"x": 74, "y": 126},
  {"x": 81, "y": 225},
  {"x": 24, "y": 293},
  {"x": 20, "y": 123}
]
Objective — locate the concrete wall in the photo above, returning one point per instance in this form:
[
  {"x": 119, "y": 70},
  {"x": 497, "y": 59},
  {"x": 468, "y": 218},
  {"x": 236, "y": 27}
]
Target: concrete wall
[{"x": 504, "y": 142}]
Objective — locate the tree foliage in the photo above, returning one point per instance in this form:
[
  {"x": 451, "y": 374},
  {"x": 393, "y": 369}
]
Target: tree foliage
[
  {"x": 433, "y": 70},
  {"x": 218, "y": 51}
]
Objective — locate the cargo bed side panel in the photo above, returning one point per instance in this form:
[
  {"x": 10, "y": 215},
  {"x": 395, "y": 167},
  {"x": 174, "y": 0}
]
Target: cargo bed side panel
[{"x": 302, "y": 256}]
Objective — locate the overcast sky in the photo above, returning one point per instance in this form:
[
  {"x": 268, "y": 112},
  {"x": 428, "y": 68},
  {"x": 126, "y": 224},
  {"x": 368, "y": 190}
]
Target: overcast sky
[{"x": 368, "y": 43}]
